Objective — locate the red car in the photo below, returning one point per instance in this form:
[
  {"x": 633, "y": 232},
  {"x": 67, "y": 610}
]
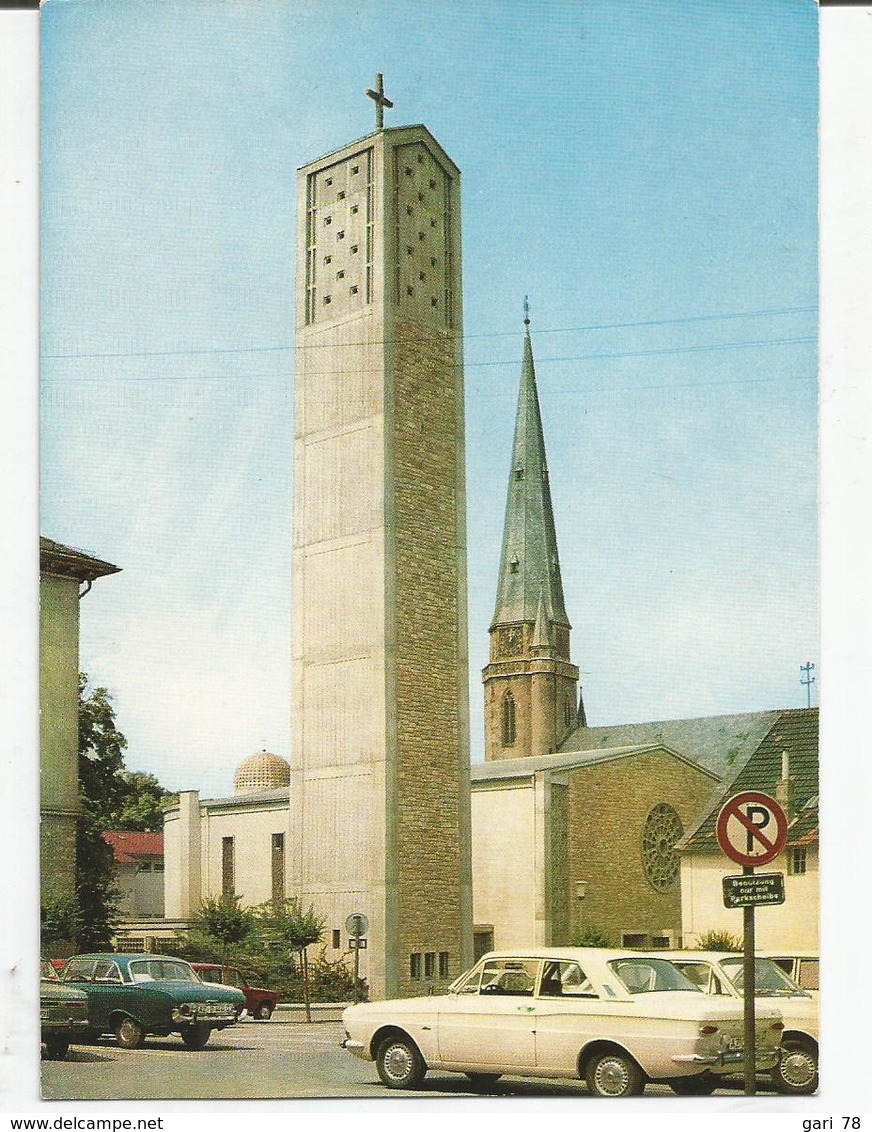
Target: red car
[{"x": 259, "y": 1003}]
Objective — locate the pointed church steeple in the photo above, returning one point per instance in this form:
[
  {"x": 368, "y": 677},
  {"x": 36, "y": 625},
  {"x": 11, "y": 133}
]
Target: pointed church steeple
[
  {"x": 531, "y": 684},
  {"x": 530, "y": 565}
]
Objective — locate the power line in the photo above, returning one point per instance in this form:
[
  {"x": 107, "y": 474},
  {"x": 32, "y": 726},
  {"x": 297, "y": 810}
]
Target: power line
[
  {"x": 713, "y": 347},
  {"x": 284, "y": 347}
]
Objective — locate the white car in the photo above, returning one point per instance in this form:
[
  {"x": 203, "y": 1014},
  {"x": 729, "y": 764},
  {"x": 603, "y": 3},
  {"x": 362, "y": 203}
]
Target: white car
[
  {"x": 613, "y": 1018},
  {"x": 722, "y": 973},
  {"x": 802, "y": 966}
]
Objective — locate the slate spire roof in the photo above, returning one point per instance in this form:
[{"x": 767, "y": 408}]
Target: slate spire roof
[{"x": 530, "y": 566}]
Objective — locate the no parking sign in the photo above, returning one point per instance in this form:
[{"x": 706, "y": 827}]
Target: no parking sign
[{"x": 752, "y": 828}]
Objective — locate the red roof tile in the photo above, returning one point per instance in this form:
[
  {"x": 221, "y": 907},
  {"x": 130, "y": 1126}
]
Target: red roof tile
[{"x": 130, "y": 847}]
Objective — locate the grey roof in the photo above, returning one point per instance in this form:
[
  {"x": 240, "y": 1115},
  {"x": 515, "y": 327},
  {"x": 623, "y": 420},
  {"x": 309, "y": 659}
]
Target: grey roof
[
  {"x": 529, "y": 566},
  {"x": 501, "y": 769},
  {"x": 793, "y": 732},
  {"x": 720, "y": 743},
  {"x": 55, "y": 558}
]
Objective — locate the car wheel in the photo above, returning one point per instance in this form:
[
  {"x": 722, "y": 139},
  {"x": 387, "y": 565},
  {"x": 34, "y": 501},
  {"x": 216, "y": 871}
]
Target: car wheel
[
  {"x": 797, "y": 1071},
  {"x": 484, "y": 1080},
  {"x": 264, "y": 1011},
  {"x": 195, "y": 1037},
  {"x": 56, "y": 1049},
  {"x": 697, "y": 1085},
  {"x": 129, "y": 1034},
  {"x": 399, "y": 1064},
  {"x": 614, "y": 1074}
]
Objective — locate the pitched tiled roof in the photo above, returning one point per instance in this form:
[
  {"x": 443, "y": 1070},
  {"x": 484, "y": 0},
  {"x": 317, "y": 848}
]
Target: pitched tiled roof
[
  {"x": 131, "y": 847},
  {"x": 796, "y": 734},
  {"x": 721, "y": 744}
]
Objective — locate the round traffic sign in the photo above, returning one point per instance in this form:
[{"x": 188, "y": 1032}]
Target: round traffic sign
[
  {"x": 752, "y": 828},
  {"x": 357, "y": 925}
]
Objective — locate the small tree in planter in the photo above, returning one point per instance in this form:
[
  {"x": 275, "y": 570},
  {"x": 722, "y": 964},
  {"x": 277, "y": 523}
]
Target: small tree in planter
[{"x": 285, "y": 922}]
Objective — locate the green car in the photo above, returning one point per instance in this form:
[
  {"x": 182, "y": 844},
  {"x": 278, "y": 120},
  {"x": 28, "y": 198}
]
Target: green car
[
  {"x": 63, "y": 1013},
  {"x": 134, "y": 995}
]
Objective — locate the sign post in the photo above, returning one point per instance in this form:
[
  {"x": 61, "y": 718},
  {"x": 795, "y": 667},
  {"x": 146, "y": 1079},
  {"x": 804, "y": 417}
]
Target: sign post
[
  {"x": 751, "y": 830},
  {"x": 357, "y": 925}
]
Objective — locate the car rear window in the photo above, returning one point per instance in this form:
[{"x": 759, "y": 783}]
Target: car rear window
[{"x": 641, "y": 975}]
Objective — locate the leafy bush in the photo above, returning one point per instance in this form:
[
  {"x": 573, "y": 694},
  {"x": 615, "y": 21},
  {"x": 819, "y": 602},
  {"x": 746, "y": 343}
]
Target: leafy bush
[{"x": 719, "y": 941}]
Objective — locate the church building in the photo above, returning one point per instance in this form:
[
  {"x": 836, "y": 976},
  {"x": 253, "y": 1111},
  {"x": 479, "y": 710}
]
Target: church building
[{"x": 566, "y": 832}]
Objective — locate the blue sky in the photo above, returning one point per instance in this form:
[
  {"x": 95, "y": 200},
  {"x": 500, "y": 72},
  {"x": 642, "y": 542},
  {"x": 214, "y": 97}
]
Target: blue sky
[{"x": 645, "y": 173}]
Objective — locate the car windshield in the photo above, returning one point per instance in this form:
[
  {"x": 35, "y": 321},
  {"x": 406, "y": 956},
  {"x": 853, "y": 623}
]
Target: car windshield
[
  {"x": 769, "y": 980},
  {"x": 149, "y": 970},
  {"x": 640, "y": 975}
]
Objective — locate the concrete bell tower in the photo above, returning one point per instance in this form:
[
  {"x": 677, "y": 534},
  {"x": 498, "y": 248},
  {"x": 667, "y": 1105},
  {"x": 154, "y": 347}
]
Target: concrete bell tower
[
  {"x": 530, "y": 685},
  {"x": 379, "y": 792}
]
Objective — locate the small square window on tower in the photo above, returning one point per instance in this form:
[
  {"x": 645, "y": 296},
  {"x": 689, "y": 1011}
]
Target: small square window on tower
[
  {"x": 422, "y": 275},
  {"x": 432, "y": 260},
  {"x": 410, "y": 250},
  {"x": 341, "y": 194},
  {"x": 434, "y": 302},
  {"x": 328, "y": 258},
  {"x": 420, "y": 235},
  {"x": 420, "y": 158},
  {"x": 340, "y": 235},
  {"x": 420, "y": 196},
  {"x": 328, "y": 220},
  {"x": 354, "y": 249},
  {"x": 433, "y": 223},
  {"x": 410, "y": 290},
  {"x": 354, "y": 288},
  {"x": 355, "y": 209},
  {"x": 355, "y": 169},
  {"x": 432, "y": 183},
  {"x": 340, "y": 274},
  {"x": 409, "y": 210},
  {"x": 328, "y": 181},
  {"x": 408, "y": 171},
  {"x": 327, "y": 299}
]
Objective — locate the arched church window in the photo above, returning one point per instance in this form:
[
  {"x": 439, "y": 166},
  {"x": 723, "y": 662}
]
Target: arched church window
[
  {"x": 659, "y": 855},
  {"x": 509, "y": 723}
]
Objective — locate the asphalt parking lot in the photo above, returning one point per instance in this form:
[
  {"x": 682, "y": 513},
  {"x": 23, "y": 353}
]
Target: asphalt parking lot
[{"x": 266, "y": 1060}]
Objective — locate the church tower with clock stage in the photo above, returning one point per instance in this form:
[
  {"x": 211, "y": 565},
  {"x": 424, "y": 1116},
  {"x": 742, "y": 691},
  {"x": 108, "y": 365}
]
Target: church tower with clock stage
[
  {"x": 530, "y": 685},
  {"x": 379, "y": 792}
]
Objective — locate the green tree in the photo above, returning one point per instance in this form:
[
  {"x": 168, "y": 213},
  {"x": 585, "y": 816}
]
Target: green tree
[
  {"x": 224, "y": 920},
  {"x": 112, "y": 798},
  {"x": 101, "y": 788},
  {"x": 143, "y": 803},
  {"x": 284, "y": 923}
]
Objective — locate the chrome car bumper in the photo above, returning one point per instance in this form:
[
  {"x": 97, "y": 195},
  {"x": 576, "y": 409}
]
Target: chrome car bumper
[
  {"x": 355, "y": 1047},
  {"x": 728, "y": 1062}
]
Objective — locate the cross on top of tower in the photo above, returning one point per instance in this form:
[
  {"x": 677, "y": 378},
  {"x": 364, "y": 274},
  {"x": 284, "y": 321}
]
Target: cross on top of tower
[
  {"x": 526, "y": 311},
  {"x": 378, "y": 97}
]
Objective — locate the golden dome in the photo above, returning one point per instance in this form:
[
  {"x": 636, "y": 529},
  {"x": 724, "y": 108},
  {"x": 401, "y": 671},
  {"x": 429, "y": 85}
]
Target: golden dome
[{"x": 261, "y": 771}]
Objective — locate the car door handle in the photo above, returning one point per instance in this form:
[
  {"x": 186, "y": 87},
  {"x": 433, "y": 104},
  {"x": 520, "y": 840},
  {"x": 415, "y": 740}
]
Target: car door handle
[{"x": 526, "y": 1009}]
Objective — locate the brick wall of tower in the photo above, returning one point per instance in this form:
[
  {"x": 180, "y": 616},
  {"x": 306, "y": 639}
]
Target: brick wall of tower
[{"x": 427, "y": 501}]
